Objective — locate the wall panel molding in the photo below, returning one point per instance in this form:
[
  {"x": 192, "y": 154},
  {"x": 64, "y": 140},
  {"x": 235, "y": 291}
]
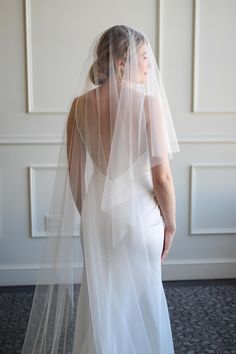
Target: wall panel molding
[
  {"x": 195, "y": 63},
  {"x": 33, "y": 198},
  {"x": 195, "y": 56},
  {"x": 29, "y": 65},
  {"x": 28, "y": 42},
  {"x": 30, "y": 140},
  {"x": 55, "y": 140},
  {"x": 159, "y": 32},
  {"x": 206, "y": 207},
  {"x": 43, "y": 224}
]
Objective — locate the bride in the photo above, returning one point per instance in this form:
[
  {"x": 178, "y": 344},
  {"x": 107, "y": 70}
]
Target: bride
[{"x": 119, "y": 190}]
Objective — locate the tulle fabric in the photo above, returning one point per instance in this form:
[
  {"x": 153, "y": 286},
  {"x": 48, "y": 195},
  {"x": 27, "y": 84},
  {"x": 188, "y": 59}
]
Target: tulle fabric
[{"x": 118, "y": 128}]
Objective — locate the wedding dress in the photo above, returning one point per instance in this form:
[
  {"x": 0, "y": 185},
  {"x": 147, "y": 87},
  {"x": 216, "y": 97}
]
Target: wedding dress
[
  {"x": 138, "y": 310},
  {"x": 118, "y": 128}
]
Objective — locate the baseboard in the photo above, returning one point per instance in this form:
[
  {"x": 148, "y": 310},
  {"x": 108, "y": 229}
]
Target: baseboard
[
  {"x": 178, "y": 269},
  {"x": 194, "y": 269}
]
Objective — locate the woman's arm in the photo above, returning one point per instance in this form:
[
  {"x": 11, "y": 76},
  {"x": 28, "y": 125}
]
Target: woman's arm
[
  {"x": 76, "y": 157},
  {"x": 164, "y": 192},
  {"x": 163, "y": 186},
  {"x": 165, "y": 195}
]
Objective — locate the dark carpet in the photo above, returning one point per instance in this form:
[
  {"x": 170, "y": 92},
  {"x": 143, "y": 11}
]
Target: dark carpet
[{"x": 202, "y": 314}]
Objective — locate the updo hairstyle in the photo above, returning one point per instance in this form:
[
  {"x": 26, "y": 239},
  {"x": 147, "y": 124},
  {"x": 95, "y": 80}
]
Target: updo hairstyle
[{"x": 118, "y": 37}]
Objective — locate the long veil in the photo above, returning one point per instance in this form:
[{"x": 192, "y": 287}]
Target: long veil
[{"x": 118, "y": 127}]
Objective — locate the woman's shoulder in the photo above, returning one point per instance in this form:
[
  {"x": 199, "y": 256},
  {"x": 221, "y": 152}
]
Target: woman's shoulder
[
  {"x": 79, "y": 105},
  {"x": 85, "y": 97}
]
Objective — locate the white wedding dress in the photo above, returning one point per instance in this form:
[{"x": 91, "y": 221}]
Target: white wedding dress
[{"x": 134, "y": 316}]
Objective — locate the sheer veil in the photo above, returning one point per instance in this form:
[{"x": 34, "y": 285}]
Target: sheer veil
[{"x": 118, "y": 127}]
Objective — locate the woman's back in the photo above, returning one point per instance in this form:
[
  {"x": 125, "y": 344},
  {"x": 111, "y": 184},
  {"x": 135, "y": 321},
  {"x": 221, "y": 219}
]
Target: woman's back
[{"x": 98, "y": 114}]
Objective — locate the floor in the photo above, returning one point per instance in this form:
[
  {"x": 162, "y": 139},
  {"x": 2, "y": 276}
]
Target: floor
[{"x": 202, "y": 314}]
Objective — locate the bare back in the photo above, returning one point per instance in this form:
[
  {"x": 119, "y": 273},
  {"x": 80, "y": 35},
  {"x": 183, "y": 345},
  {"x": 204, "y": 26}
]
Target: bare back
[{"x": 96, "y": 118}]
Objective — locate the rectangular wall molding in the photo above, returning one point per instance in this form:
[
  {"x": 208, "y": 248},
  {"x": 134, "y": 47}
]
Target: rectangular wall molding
[
  {"x": 224, "y": 45},
  {"x": 41, "y": 181},
  {"x": 213, "y": 199},
  {"x": 30, "y": 66}
]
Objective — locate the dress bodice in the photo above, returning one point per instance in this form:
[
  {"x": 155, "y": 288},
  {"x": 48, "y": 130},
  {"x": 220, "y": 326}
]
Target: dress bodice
[
  {"x": 138, "y": 170},
  {"x": 133, "y": 182}
]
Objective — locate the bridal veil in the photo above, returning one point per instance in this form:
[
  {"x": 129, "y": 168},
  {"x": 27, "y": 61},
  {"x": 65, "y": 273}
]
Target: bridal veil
[{"x": 118, "y": 127}]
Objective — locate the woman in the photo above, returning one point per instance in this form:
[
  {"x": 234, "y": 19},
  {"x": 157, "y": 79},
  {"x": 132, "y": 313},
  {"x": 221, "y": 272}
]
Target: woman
[
  {"x": 119, "y": 137},
  {"x": 110, "y": 122}
]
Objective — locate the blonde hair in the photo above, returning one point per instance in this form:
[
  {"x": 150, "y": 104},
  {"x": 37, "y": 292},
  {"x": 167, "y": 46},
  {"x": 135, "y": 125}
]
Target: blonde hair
[{"x": 118, "y": 38}]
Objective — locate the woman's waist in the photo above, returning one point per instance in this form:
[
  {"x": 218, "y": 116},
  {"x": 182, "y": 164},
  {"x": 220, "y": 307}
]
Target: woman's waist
[
  {"x": 131, "y": 174},
  {"x": 125, "y": 185},
  {"x": 142, "y": 179}
]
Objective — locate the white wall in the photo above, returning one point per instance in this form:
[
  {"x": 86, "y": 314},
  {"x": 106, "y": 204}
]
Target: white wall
[{"x": 43, "y": 45}]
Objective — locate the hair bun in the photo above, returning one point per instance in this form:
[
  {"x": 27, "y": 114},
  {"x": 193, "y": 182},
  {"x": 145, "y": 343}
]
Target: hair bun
[{"x": 98, "y": 72}]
